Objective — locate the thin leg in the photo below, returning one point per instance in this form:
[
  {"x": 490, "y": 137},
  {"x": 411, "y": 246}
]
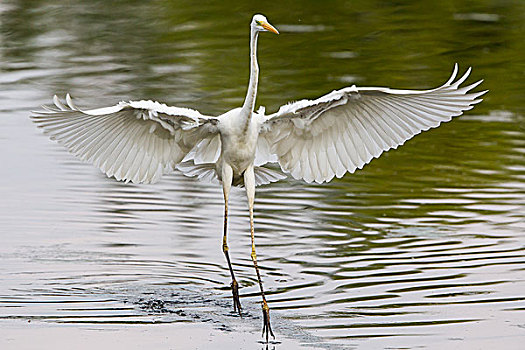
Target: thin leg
[
  {"x": 249, "y": 182},
  {"x": 226, "y": 185}
]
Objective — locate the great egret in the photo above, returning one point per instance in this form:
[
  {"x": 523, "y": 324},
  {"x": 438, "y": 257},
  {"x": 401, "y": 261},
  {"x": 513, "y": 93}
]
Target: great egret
[{"x": 312, "y": 140}]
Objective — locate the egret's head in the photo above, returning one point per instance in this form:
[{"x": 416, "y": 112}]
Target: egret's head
[{"x": 260, "y": 23}]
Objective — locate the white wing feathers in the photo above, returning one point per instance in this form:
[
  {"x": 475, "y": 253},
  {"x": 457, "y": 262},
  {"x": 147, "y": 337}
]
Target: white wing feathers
[
  {"x": 315, "y": 140},
  {"x": 207, "y": 172},
  {"x": 134, "y": 141}
]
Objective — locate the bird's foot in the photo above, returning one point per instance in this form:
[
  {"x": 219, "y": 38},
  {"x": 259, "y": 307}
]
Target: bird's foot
[
  {"x": 235, "y": 294},
  {"x": 267, "y": 328}
]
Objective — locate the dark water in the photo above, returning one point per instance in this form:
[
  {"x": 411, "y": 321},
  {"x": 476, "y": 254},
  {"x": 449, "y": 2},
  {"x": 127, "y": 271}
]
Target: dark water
[{"x": 423, "y": 248}]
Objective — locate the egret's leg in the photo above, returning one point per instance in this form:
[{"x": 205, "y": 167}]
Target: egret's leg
[
  {"x": 227, "y": 176},
  {"x": 249, "y": 183}
]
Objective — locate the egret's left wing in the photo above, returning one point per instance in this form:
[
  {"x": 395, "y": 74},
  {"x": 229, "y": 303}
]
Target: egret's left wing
[
  {"x": 340, "y": 132},
  {"x": 134, "y": 141}
]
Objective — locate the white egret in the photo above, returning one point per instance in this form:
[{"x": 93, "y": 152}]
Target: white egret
[{"x": 312, "y": 140}]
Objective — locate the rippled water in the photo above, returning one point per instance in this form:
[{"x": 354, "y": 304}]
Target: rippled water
[{"x": 423, "y": 248}]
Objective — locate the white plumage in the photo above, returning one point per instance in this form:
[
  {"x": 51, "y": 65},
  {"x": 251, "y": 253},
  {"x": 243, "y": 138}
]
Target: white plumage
[
  {"x": 342, "y": 131},
  {"x": 134, "y": 141},
  {"x": 313, "y": 140}
]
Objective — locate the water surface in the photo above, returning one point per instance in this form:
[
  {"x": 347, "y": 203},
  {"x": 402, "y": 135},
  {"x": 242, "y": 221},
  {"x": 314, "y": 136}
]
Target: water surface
[{"x": 423, "y": 248}]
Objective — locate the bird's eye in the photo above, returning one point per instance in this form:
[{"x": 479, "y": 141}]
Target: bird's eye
[{"x": 258, "y": 22}]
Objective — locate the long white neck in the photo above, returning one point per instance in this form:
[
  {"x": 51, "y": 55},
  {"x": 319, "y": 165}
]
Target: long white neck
[{"x": 249, "y": 102}]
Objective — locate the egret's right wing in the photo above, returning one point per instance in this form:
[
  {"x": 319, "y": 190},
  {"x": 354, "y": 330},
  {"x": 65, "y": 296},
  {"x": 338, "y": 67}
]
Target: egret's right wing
[
  {"x": 340, "y": 132},
  {"x": 134, "y": 141}
]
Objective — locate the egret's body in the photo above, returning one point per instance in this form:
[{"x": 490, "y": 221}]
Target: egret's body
[
  {"x": 238, "y": 143},
  {"x": 312, "y": 140}
]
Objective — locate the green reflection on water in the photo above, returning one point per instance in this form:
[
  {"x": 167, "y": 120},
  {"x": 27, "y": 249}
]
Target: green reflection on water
[
  {"x": 465, "y": 178},
  {"x": 197, "y": 56},
  {"x": 406, "y": 44}
]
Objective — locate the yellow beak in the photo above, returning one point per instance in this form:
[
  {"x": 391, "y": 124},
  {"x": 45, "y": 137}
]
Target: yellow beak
[{"x": 269, "y": 27}]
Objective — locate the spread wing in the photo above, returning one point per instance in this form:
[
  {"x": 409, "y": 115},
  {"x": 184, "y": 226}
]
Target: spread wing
[
  {"x": 134, "y": 141},
  {"x": 340, "y": 132}
]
